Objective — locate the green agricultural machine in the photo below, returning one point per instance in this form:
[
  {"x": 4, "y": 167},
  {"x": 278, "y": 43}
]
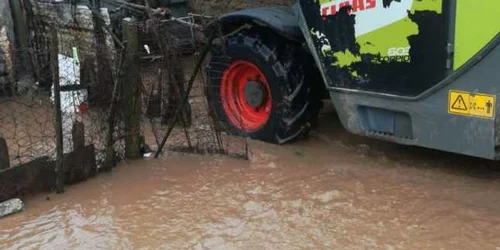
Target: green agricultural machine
[{"x": 414, "y": 72}]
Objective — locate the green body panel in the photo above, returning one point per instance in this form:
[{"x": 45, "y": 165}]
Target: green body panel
[
  {"x": 366, "y": 103},
  {"x": 477, "y": 23},
  {"x": 395, "y": 47},
  {"x": 389, "y": 40}
]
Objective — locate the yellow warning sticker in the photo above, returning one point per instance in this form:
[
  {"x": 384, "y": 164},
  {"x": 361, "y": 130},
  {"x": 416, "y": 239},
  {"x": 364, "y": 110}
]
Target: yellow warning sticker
[{"x": 468, "y": 104}]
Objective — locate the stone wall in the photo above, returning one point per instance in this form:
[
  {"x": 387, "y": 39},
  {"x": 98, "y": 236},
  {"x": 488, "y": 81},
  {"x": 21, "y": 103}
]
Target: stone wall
[
  {"x": 6, "y": 42},
  {"x": 217, "y": 7},
  {"x": 75, "y": 29},
  {"x": 76, "y": 33}
]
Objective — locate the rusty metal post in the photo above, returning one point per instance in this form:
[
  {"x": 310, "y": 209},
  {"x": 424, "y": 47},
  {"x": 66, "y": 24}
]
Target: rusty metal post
[
  {"x": 131, "y": 90},
  {"x": 4, "y": 154},
  {"x": 59, "y": 167}
]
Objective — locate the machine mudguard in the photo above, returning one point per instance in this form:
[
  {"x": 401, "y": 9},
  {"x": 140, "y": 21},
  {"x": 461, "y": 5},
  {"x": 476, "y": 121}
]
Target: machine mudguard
[{"x": 282, "y": 20}]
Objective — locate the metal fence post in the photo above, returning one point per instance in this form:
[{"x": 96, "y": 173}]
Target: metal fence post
[
  {"x": 131, "y": 90},
  {"x": 59, "y": 166}
]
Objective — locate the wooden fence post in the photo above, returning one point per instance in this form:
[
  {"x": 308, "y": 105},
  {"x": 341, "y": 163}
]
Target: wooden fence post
[
  {"x": 131, "y": 90},
  {"x": 4, "y": 154},
  {"x": 54, "y": 60},
  {"x": 21, "y": 37},
  {"x": 78, "y": 135}
]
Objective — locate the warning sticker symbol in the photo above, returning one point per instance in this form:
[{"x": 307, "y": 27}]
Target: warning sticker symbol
[
  {"x": 460, "y": 104},
  {"x": 468, "y": 104}
]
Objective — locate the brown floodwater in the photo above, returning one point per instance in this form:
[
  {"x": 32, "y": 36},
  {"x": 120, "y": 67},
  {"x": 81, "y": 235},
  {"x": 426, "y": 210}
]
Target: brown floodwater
[{"x": 332, "y": 191}]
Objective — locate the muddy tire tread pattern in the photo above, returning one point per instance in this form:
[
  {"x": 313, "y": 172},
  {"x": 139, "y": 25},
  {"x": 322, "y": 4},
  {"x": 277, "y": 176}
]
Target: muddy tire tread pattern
[{"x": 300, "y": 104}]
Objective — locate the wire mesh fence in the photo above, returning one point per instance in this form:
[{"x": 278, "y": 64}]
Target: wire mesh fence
[
  {"x": 26, "y": 122},
  {"x": 55, "y": 107},
  {"x": 142, "y": 90},
  {"x": 172, "y": 50}
]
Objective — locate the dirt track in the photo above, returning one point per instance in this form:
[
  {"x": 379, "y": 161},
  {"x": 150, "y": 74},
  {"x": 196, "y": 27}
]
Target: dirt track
[{"x": 333, "y": 191}]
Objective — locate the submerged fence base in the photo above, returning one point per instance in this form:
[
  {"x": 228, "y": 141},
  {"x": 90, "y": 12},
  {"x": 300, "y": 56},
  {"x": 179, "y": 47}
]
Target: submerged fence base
[
  {"x": 33, "y": 177},
  {"x": 39, "y": 175}
]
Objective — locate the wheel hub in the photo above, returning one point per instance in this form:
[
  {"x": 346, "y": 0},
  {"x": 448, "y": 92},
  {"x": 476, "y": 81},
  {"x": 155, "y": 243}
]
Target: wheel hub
[
  {"x": 246, "y": 96},
  {"x": 255, "y": 94}
]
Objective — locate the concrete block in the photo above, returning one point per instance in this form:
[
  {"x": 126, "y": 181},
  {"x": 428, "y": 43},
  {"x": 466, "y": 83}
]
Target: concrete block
[{"x": 11, "y": 207}]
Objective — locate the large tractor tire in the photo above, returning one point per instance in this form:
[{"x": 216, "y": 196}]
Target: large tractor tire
[{"x": 260, "y": 85}]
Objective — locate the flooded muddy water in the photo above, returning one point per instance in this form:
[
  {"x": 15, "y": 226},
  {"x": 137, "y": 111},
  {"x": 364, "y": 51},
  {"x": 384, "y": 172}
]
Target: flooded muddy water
[{"x": 332, "y": 191}]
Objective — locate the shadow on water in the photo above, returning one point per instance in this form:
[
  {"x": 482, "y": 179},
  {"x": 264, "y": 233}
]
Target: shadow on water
[{"x": 331, "y": 131}]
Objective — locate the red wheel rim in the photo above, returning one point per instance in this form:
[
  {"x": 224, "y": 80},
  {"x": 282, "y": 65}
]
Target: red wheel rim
[{"x": 234, "y": 101}]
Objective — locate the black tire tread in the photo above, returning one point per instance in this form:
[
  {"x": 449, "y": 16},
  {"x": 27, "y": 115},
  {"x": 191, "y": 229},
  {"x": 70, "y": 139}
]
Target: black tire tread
[{"x": 301, "y": 102}]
